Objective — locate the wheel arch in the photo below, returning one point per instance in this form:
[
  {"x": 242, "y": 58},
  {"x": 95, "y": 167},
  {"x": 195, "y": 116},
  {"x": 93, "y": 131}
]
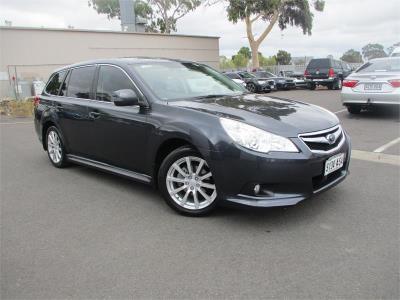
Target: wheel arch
[{"x": 165, "y": 148}]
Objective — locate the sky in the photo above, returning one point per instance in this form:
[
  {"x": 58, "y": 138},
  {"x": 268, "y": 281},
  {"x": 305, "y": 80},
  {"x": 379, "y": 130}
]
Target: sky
[{"x": 343, "y": 25}]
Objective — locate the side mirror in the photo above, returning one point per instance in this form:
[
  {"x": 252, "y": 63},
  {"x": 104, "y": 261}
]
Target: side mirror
[{"x": 125, "y": 97}]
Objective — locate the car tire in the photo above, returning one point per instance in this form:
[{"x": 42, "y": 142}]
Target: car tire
[
  {"x": 312, "y": 86},
  {"x": 354, "y": 109},
  {"x": 330, "y": 86},
  {"x": 185, "y": 188},
  {"x": 251, "y": 87},
  {"x": 55, "y": 148}
]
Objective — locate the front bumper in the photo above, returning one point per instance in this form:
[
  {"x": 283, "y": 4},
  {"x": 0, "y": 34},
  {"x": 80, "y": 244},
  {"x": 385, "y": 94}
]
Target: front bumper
[
  {"x": 285, "y": 178},
  {"x": 285, "y": 85}
]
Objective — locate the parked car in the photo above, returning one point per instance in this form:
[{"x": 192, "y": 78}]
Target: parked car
[
  {"x": 190, "y": 131},
  {"x": 326, "y": 72},
  {"x": 375, "y": 83},
  {"x": 281, "y": 83},
  {"x": 253, "y": 84},
  {"x": 298, "y": 78},
  {"x": 236, "y": 78}
]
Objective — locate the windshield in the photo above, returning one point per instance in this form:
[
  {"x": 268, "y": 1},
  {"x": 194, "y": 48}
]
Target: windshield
[
  {"x": 247, "y": 75},
  {"x": 264, "y": 74},
  {"x": 381, "y": 65},
  {"x": 171, "y": 80}
]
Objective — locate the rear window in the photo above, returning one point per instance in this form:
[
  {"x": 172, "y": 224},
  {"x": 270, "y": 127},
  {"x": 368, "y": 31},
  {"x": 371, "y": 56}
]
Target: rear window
[
  {"x": 319, "y": 63},
  {"x": 80, "y": 82},
  {"x": 54, "y": 83},
  {"x": 381, "y": 65}
]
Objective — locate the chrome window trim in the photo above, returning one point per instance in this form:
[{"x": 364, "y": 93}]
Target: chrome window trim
[
  {"x": 91, "y": 65},
  {"x": 334, "y": 128}
]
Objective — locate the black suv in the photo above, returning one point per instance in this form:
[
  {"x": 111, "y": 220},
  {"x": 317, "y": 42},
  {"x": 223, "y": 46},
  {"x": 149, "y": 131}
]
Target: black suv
[
  {"x": 192, "y": 132},
  {"x": 326, "y": 72}
]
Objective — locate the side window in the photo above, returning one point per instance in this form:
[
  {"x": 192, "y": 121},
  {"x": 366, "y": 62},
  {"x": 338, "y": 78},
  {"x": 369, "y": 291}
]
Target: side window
[
  {"x": 111, "y": 79},
  {"x": 54, "y": 83},
  {"x": 63, "y": 89},
  {"x": 80, "y": 83}
]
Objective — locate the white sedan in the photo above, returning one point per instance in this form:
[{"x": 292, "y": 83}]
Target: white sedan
[{"x": 377, "y": 82}]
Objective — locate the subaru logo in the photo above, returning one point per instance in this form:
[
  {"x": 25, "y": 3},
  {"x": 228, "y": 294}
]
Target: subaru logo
[{"x": 331, "y": 138}]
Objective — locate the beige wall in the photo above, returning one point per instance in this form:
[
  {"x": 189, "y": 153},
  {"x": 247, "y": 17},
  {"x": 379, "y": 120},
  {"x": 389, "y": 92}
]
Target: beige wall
[{"x": 36, "y": 52}]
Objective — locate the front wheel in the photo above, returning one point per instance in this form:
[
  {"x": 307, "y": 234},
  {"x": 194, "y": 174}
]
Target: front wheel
[
  {"x": 186, "y": 182},
  {"x": 251, "y": 87}
]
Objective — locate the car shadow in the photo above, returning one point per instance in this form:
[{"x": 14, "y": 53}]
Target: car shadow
[
  {"x": 388, "y": 113},
  {"x": 304, "y": 211}
]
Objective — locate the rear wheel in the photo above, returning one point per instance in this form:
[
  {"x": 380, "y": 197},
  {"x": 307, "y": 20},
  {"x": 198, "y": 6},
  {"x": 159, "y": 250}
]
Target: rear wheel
[
  {"x": 312, "y": 86},
  {"x": 186, "y": 182},
  {"x": 354, "y": 109},
  {"x": 55, "y": 147}
]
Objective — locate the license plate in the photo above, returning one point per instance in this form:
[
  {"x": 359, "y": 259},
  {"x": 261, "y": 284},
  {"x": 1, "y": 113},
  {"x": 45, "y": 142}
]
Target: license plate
[
  {"x": 334, "y": 163},
  {"x": 372, "y": 86}
]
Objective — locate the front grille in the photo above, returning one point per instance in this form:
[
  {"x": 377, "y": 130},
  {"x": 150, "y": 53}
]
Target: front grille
[{"x": 325, "y": 140}]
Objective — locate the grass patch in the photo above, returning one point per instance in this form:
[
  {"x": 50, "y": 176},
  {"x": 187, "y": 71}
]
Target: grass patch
[{"x": 17, "y": 108}]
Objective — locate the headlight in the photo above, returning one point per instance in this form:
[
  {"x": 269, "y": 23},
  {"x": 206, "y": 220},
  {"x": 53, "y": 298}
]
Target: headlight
[
  {"x": 256, "y": 139},
  {"x": 281, "y": 81},
  {"x": 262, "y": 81}
]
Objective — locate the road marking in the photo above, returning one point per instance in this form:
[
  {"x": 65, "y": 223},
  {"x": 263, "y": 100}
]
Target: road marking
[
  {"x": 388, "y": 145},
  {"x": 340, "y": 111},
  {"x": 13, "y": 123},
  {"x": 376, "y": 157}
]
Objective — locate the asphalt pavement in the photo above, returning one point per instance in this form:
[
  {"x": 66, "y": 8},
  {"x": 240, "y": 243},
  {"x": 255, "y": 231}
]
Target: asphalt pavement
[{"x": 80, "y": 233}]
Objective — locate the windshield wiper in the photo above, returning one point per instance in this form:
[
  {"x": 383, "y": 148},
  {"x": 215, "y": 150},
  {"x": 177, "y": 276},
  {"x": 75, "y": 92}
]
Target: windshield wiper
[{"x": 210, "y": 96}]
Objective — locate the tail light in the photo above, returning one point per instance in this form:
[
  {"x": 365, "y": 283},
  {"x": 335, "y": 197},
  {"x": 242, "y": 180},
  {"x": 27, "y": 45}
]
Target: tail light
[
  {"x": 350, "y": 83},
  {"x": 36, "y": 100},
  {"x": 395, "y": 83},
  {"x": 331, "y": 73},
  {"x": 306, "y": 73}
]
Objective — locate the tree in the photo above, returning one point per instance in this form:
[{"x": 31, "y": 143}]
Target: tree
[
  {"x": 246, "y": 52},
  {"x": 162, "y": 14},
  {"x": 266, "y": 61},
  {"x": 283, "y": 57},
  {"x": 371, "y": 51},
  {"x": 284, "y": 12},
  {"x": 240, "y": 61},
  {"x": 226, "y": 63},
  {"x": 352, "y": 56}
]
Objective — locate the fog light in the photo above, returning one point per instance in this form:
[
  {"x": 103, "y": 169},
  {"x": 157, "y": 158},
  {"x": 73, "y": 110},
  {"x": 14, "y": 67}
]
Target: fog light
[{"x": 257, "y": 189}]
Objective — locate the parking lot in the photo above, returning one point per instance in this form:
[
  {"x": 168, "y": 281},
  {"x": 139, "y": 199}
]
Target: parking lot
[{"x": 80, "y": 233}]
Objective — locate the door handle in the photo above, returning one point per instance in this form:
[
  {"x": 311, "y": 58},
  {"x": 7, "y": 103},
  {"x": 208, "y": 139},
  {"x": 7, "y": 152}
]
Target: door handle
[{"x": 94, "y": 115}]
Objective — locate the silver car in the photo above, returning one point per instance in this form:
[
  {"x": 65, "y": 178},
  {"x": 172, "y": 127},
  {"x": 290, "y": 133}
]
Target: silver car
[{"x": 377, "y": 82}]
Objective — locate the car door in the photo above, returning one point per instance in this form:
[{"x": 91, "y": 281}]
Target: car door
[
  {"x": 71, "y": 108},
  {"x": 118, "y": 133}
]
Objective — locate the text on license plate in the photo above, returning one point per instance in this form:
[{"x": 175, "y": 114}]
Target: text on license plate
[
  {"x": 372, "y": 86},
  {"x": 334, "y": 163}
]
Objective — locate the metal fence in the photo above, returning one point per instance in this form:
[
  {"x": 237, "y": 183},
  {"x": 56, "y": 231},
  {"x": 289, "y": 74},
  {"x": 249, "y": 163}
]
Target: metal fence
[{"x": 278, "y": 68}]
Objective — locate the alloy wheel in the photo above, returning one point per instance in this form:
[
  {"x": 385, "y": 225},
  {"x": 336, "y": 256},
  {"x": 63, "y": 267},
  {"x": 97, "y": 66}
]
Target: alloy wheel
[
  {"x": 190, "y": 183},
  {"x": 54, "y": 147},
  {"x": 251, "y": 87}
]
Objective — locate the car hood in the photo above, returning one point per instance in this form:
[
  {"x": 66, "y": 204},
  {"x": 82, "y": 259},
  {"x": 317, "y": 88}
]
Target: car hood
[{"x": 280, "y": 116}]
